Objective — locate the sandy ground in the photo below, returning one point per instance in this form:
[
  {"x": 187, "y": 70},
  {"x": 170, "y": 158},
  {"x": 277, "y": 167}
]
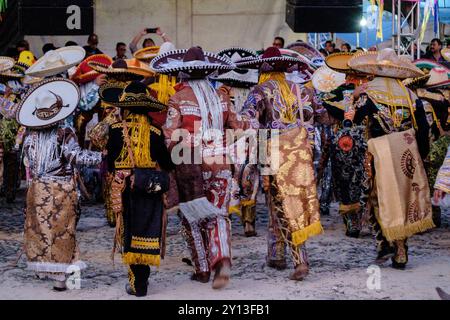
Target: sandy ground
[{"x": 339, "y": 265}]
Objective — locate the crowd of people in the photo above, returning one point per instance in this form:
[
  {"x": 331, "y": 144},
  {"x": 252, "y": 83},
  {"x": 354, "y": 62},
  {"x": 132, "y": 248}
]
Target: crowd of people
[{"x": 149, "y": 135}]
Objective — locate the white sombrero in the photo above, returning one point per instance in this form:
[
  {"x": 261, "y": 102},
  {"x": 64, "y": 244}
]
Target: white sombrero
[
  {"x": 384, "y": 63},
  {"x": 48, "y": 102},
  {"x": 57, "y": 61},
  {"x": 6, "y": 63},
  {"x": 327, "y": 80}
]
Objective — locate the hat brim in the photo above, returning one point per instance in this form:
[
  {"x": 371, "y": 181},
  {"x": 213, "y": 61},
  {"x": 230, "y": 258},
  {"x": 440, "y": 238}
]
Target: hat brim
[
  {"x": 366, "y": 62},
  {"x": 72, "y": 55},
  {"x": 111, "y": 92},
  {"x": 82, "y": 78},
  {"x": 6, "y": 63},
  {"x": 171, "y": 63},
  {"x": 123, "y": 74},
  {"x": 418, "y": 82},
  {"x": 439, "y": 85},
  {"x": 308, "y": 51},
  {"x": 339, "y": 62},
  {"x": 327, "y": 80},
  {"x": 146, "y": 54},
  {"x": 66, "y": 89},
  {"x": 11, "y": 75}
]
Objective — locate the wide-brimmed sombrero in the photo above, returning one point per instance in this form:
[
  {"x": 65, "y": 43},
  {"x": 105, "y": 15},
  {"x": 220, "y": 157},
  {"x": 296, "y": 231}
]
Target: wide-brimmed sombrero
[
  {"x": 426, "y": 66},
  {"x": 56, "y": 61},
  {"x": 6, "y": 63},
  {"x": 48, "y": 102},
  {"x": 147, "y": 54},
  {"x": 273, "y": 61},
  {"x": 308, "y": 51},
  {"x": 339, "y": 62},
  {"x": 123, "y": 70},
  {"x": 16, "y": 72},
  {"x": 327, "y": 80},
  {"x": 438, "y": 78},
  {"x": 238, "y": 77},
  {"x": 193, "y": 63},
  {"x": 133, "y": 95},
  {"x": 84, "y": 73},
  {"x": 384, "y": 63}
]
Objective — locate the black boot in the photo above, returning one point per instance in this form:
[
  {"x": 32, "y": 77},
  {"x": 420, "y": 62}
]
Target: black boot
[
  {"x": 138, "y": 276},
  {"x": 400, "y": 258}
]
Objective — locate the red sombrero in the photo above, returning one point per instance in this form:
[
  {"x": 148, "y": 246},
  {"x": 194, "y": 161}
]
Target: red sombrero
[{"x": 84, "y": 73}]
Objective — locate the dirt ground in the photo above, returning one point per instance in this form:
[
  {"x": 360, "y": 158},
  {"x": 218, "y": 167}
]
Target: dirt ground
[{"x": 339, "y": 265}]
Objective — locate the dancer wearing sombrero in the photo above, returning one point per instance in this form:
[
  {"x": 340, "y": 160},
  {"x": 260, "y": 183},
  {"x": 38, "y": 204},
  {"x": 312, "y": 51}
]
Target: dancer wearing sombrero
[
  {"x": 136, "y": 155},
  {"x": 51, "y": 152},
  {"x": 200, "y": 115},
  {"x": 396, "y": 195},
  {"x": 433, "y": 90},
  {"x": 237, "y": 85},
  {"x": 11, "y": 91},
  {"x": 284, "y": 109}
]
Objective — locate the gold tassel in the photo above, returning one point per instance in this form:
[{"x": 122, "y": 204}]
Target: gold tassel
[
  {"x": 141, "y": 258},
  {"x": 344, "y": 208},
  {"x": 248, "y": 203},
  {"x": 234, "y": 209},
  {"x": 300, "y": 236},
  {"x": 403, "y": 232}
]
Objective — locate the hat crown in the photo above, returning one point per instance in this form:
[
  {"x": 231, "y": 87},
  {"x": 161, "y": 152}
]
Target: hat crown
[
  {"x": 167, "y": 47},
  {"x": 271, "y": 52},
  {"x": 194, "y": 54},
  {"x": 54, "y": 59}
]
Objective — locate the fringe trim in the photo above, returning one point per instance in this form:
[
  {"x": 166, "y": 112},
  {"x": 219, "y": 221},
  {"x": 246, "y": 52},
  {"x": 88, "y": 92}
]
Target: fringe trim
[
  {"x": 300, "y": 236},
  {"x": 403, "y": 232},
  {"x": 248, "y": 203},
  {"x": 235, "y": 209},
  {"x": 141, "y": 258}
]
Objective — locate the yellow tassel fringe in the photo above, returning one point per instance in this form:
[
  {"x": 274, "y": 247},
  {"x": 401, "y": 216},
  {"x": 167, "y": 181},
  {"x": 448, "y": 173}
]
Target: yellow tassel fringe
[
  {"x": 141, "y": 258},
  {"x": 235, "y": 209},
  {"x": 248, "y": 203},
  {"x": 403, "y": 232},
  {"x": 300, "y": 236}
]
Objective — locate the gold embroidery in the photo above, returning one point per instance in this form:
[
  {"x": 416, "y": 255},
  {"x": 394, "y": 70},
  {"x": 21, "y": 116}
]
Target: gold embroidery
[
  {"x": 144, "y": 243},
  {"x": 139, "y": 131}
]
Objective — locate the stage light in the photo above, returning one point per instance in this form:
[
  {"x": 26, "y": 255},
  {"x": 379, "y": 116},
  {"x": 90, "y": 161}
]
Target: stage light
[{"x": 363, "y": 22}]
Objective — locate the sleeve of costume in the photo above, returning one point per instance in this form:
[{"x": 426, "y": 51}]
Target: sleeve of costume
[
  {"x": 253, "y": 107},
  {"x": 75, "y": 155},
  {"x": 114, "y": 147},
  {"x": 443, "y": 176},
  {"x": 234, "y": 120},
  {"x": 173, "y": 122},
  {"x": 90, "y": 98},
  {"x": 161, "y": 153}
]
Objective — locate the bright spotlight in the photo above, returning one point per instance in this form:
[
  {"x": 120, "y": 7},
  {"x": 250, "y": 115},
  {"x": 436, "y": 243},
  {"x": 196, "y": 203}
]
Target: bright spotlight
[{"x": 363, "y": 22}]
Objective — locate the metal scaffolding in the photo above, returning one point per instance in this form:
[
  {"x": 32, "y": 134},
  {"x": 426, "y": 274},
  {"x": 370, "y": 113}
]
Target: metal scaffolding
[{"x": 406, "y": 29}]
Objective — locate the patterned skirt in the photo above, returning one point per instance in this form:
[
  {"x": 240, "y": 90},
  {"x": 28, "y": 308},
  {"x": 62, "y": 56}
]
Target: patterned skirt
[{"x": 50, "y": 225}]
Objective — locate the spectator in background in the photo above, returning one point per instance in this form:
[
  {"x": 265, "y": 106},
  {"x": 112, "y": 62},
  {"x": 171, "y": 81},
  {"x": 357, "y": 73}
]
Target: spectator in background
[
  {"x": 22, "y": 45},
  {"x": 70, "y": 43},
  {"x": 92, "y": 46},
  {"x": 121, "y": 50},
  {"x": 434, "y": 52},
  {"x": 47, "y": 47},
  {"x": 278, "y": 42},
  {"x": 345, "y": 47},
  {"x": 148, "y": 42},
  {"x": 329, "y": 47}
]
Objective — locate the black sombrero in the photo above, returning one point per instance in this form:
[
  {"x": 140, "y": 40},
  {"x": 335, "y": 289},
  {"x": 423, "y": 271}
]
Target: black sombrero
[
  {"x": 191, "y": 64},
  {"x": 238, "y": 77},
  {"x": 134, "y": 95}
]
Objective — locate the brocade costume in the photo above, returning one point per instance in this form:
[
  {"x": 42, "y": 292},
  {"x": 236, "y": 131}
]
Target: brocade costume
[
  {"x": 50, "y": 242},
  {"x": 279, "y": 104},
  {"x": 208, "y": 236}
]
